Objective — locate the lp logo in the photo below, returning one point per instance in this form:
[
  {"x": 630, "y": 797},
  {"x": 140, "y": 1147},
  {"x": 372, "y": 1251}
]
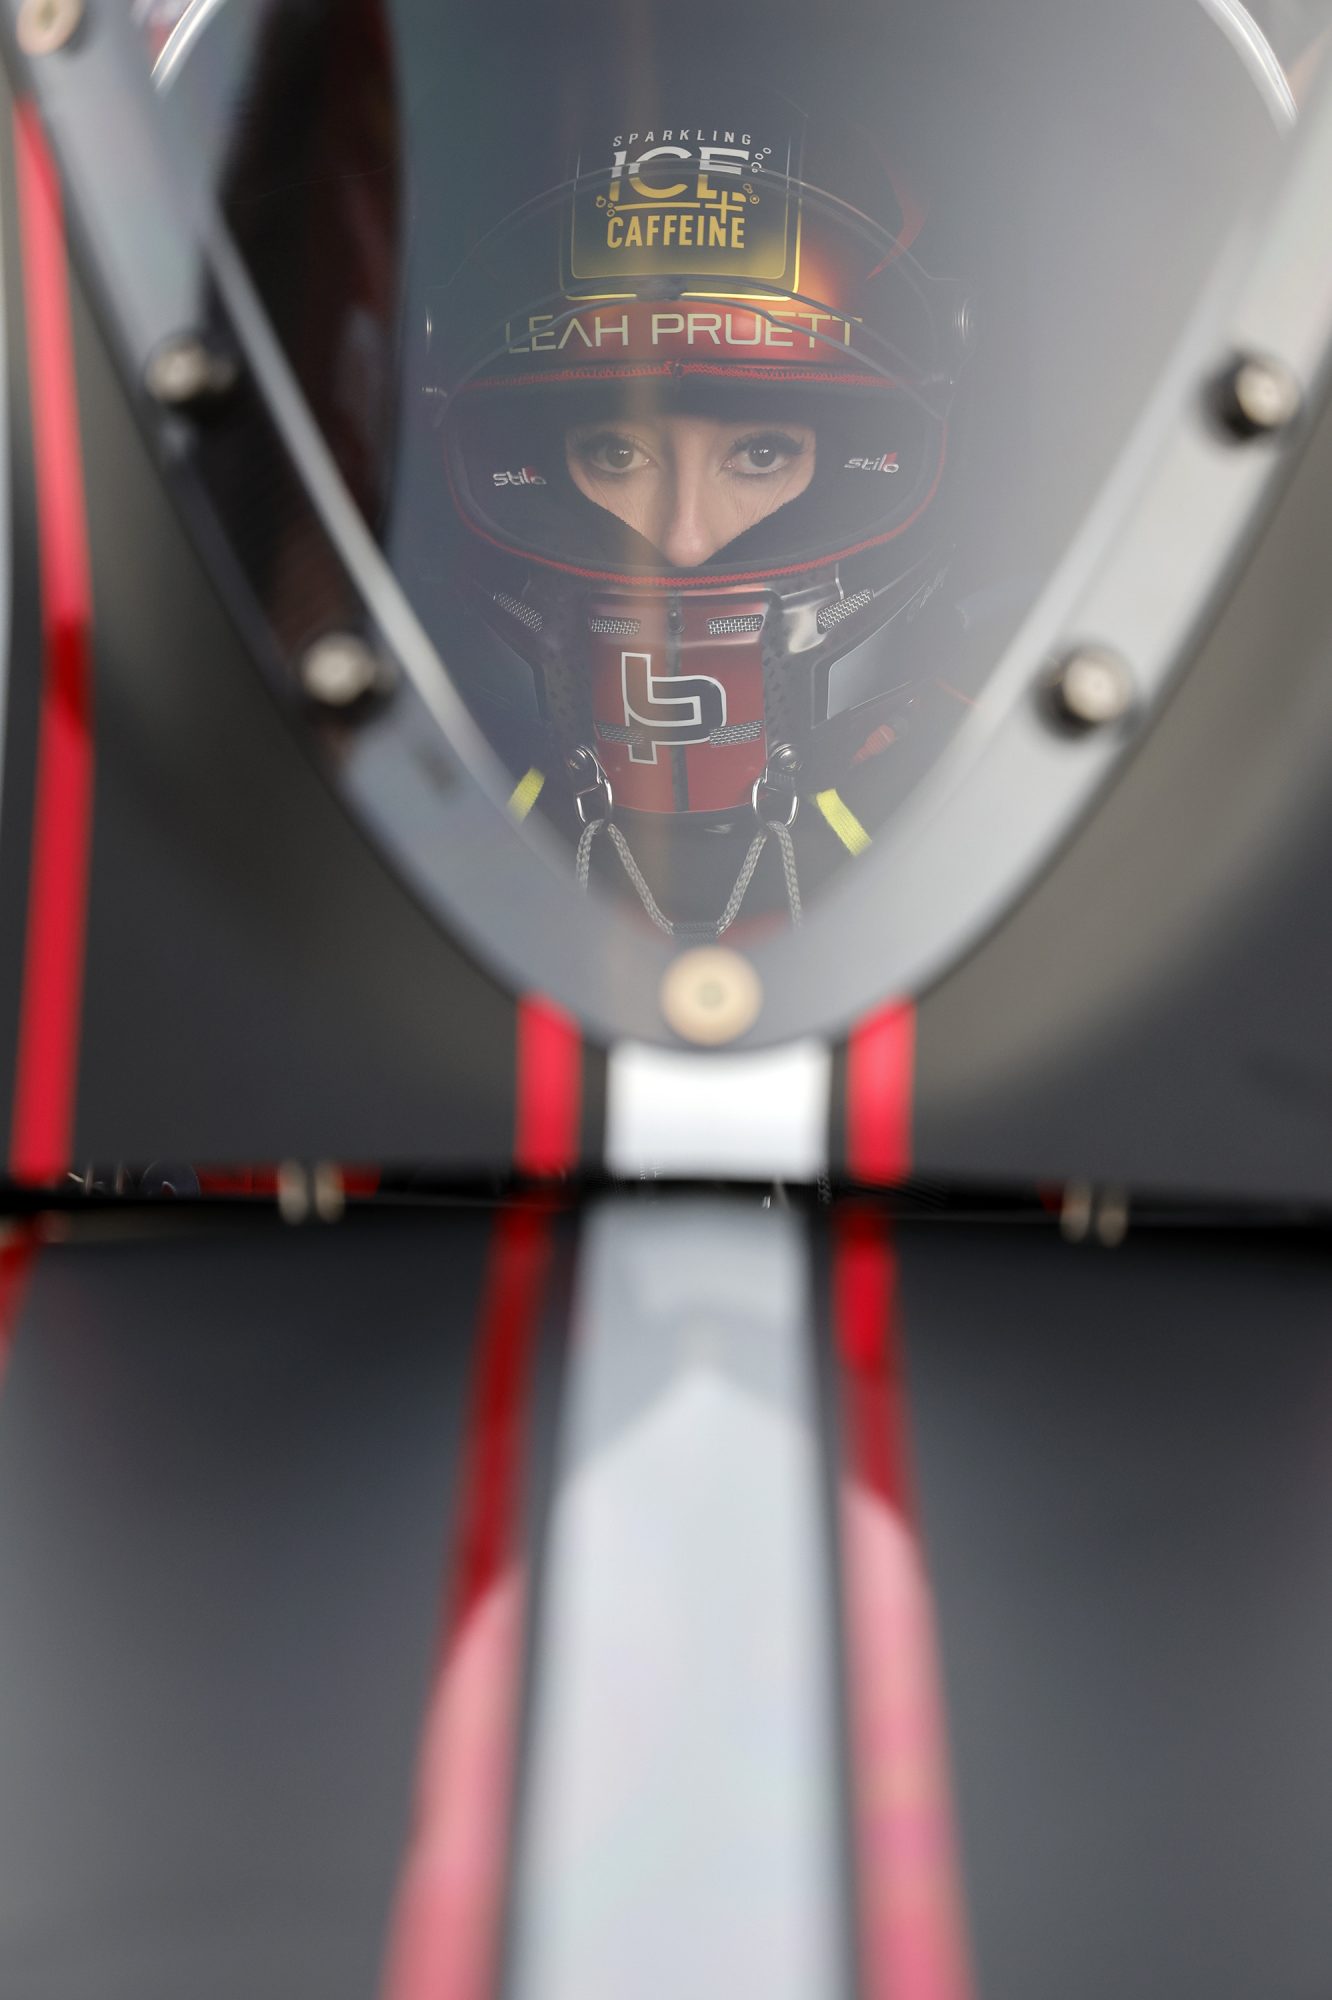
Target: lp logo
[{"x": 667, "y": 708}]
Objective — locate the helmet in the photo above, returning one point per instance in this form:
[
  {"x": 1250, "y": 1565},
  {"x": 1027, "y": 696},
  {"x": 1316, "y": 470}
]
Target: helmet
[{"x": 744, "y": 292}]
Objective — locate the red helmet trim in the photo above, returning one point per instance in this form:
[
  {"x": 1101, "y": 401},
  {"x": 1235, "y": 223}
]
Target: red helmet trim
[{"x": 625, "y": 371}]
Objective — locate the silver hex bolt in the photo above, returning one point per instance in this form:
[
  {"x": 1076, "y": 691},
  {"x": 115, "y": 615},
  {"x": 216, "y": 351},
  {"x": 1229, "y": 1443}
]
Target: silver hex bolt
[
  {"x": 339, "y": 670},
  {"x": 1091, "y": 688},
  {"x": 47, "y": 25},
  {"x": 184, "y": 372},
  {"x": 1258, "y": 396}
]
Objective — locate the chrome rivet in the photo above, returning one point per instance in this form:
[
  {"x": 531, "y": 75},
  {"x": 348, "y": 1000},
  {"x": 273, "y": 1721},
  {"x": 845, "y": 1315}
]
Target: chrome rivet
[
  {"x": 1257, "y": 397},
  {"x": 47, "y": 25},
  {"x": 1076, "y": 1211},
  {"x": 784, "y": 759},
  {"x": 1088, "y": 1211},
  {"x": 1091, "y": 688},
  {"x": 184, "y": 372},
  {"x": 711, "y": 995},
  {"x": 328, "y": 1191},
  {"x": 339, "y": 669},
  {"x": 293, "y": 1192},
  {"x": 1112, "y": 1218}
]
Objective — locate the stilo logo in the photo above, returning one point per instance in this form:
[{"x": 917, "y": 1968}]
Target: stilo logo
[
  {"x": 527, "y": 476},
  {"x": 888, "y": 463}
]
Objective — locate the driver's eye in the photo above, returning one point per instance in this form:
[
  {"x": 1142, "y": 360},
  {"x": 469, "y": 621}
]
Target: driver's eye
[
  {"x": 771, "y": 451},
  {"x": 610, "y": 451}
]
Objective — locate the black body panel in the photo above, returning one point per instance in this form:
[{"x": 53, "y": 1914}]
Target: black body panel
[
  {"x": 228, "y": 1463},
  {"x": 1123, "y": 1462},
  {"x": 1155, "y": 1013},
  {"x": 228, "y": 1476}
]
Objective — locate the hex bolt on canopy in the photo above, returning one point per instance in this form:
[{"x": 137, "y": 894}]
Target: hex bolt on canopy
[
  {"x": 47, "y": 25},
  {"x": 1257, "y": 396},
  {"x": 1091, "y": 688},
  {"x": 340, "y": 669},
  {"x": 711, "y": 995},
  {"x": 184, "y": 372}
]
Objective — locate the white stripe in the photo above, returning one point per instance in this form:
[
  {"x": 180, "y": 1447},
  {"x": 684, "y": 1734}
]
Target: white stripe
[
  {"x": 756, "y": 1116},
  {"x": 679, "y": 1831}
]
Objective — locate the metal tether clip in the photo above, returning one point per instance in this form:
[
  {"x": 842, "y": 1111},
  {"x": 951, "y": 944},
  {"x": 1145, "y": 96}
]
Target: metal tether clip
[{"x": 592, "y": 800}]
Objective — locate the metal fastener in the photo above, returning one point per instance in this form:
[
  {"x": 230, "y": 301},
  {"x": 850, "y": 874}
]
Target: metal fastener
[
  {"x": 47, "y": 25},
  {"x": 328, "y": 1191},
  {"x": 339, "y": 669},
  {"x": 1257, "y": 397},
  {"x": 1091, "y": 688},
  {"x": 711, "y": 995},
  {"x": 1112, "y": 1217},
  {"x": 1075, "y": 1211},
  {"x": 1088, "y": 1211},
  {"x": 184, "y": 372},
  {"x": 293, "y": 1192}
]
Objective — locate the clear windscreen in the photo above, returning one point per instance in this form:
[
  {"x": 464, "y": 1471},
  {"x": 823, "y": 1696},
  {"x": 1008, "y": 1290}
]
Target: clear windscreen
[{"x": 723, "y": 396}]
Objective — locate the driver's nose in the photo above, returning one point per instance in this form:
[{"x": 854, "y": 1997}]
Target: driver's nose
[{"x": 692, "y": 527}]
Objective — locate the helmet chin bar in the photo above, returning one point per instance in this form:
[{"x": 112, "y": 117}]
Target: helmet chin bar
[
  {"x": 677, "y": 691},
  {"x": 688, "y": 701}
]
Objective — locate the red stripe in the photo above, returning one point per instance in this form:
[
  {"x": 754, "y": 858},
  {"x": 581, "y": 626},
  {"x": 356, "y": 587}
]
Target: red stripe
[
  {"x": 42, "y": 1138},
  {"x": 880, "y": 1074},
  {"x": 549, "y": 1089},
  {"x": 758, "y": 371},
  {"x": 444, "y": 1943},
  {"x": 263, "y": 1181},
  {"x": 912, "y": 1929},
  {"x": 17, "y": 1255}
]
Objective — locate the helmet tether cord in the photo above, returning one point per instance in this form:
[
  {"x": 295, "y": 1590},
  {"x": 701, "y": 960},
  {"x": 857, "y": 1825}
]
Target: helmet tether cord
[
  {"x": 583, "y": 865},
  {"x": 787, "y": 845}
]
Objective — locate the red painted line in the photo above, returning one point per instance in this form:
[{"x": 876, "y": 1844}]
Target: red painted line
[
  {"x": 17, "y": 1255},
  {"x": 444, "y": 1943},
  {"x": 912, "y": 1930},
  {"x": 549, "y": 1089},
  {"x": 758, "y": 371},
  {"x": 42, "y": 1136},
  {"x": 880, "y": 1076}
]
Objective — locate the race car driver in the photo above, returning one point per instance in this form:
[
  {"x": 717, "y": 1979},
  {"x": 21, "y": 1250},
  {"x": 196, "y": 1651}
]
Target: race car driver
[{"x": 694, "y": 405}]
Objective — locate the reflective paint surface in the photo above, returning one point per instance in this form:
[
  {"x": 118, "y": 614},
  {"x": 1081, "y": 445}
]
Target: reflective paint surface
[{"x": 681, "y": 1809}]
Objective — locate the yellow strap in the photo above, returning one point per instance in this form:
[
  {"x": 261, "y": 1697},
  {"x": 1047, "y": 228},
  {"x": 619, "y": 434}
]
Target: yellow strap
[
  {"x": 842, "y": 821},
  {"x": 526, "y": 793}
]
